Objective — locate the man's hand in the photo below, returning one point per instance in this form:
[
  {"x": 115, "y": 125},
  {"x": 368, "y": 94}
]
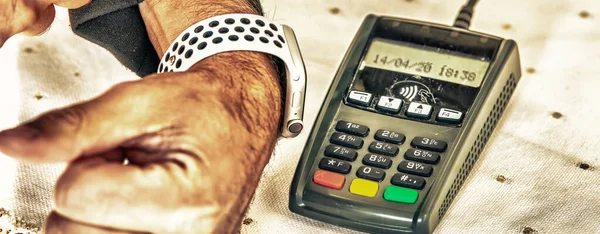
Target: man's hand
[
  {"x": 30, "y": 17},
  {"x": 194, "y": 156},
  {"x": 196, "y": 142}
]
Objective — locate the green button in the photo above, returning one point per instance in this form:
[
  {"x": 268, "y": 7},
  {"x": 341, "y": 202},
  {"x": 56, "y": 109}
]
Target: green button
[{"x": 399, "y": 194}]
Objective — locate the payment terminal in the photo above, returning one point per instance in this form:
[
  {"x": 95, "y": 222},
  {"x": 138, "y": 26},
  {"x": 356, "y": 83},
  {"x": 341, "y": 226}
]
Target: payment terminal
[{"x": 406, "y": 117}]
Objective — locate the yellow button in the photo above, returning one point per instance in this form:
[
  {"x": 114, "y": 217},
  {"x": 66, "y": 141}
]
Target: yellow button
[{"x": 364, "y": 187}]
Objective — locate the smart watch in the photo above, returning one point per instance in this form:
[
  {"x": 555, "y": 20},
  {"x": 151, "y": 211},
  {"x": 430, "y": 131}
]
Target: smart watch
[{"x": 245, "y": 32}]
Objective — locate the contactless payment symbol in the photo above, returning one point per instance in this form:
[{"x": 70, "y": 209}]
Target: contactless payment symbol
[{"x": 412, "y": 91}]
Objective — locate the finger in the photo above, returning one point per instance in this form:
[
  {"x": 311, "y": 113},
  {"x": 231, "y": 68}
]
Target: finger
[
  {"x": 83, "y": 129},
  {"x": 57, "y": 224},
  {"x": 45, "y": 17},
  {"x": 71, "y": 4},
  {"x": 151, "y": 198}
]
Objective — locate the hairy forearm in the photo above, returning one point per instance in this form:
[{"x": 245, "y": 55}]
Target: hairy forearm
[{"x": 247, "y": 83}]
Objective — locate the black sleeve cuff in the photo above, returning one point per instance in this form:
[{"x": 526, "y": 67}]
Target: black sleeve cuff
[{"x": 117, "y": 25}]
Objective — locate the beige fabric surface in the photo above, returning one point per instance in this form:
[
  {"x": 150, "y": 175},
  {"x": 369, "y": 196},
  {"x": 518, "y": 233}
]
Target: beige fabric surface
[{"x": 529, "y": 179}]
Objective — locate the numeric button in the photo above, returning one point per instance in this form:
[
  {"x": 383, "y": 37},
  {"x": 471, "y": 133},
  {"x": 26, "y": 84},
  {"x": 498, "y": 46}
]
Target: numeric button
[
  {"x": 415, "y": 168},
  {"x": 352, "y": 128},
  {"x": 389, "y": 136},
  {"x": 340, "y": 152},
  {"x": 331, "y": 164},
  {"x": 429, "y": 144},
  {"x": 383, "y": 148},
  {"x": 346, "y": 140},
  {"x": 422, "y": 156},
  {"x": 408, "y": 181},
  {"x": 370, "y": 173},
  {"x": 377, "y": 161}
]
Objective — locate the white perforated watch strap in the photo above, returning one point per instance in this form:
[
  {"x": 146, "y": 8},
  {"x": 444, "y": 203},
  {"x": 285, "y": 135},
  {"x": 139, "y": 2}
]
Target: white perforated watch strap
[{"x": 224, "y": 33}]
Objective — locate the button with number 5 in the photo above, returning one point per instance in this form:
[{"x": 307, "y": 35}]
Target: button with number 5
[{"x": 383, "y": 148}]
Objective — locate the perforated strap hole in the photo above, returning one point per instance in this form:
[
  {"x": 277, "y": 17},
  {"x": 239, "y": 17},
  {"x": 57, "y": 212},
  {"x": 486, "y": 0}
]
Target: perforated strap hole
[
  {"x": 249, "y": 38},
  {"x": 193, "y": 40},
  {"x": 233, "y": 38},
  {"x": 181, "y": 49},
  {"x": 264, "y": 39},
  {"x": 273, "y": 27},
  {"x": 281, "y": 38},
  {"x": 269, "y": 33},
  {"x": 277, "y": 44},
  {"x": 217, "y": 40},
  {"x": 178, "y": 64},
  {"x": 199, "y": 29},
  {"x": 208, "y": 34},
  {"x": 260, "y": 23},
  {"x": 213, "y": 24},
  {"x": 254, "y": 30},
  {"x": 229, "y": 21},
  {"x": 185, "y": 36},
  {"x": 167, "y": 57},
  {"x": 223, "y": 30},
  {"x": 189, "y": 53},
  {"x": 175, "y": 46},
  {"x": 245, "y": 21},
  {"x": 239, "y": 29},
  {"x": 202, "y": 45}
]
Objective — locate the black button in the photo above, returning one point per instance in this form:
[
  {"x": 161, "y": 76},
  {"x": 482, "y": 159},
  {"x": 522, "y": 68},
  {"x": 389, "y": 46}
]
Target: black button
[
  {"x": 352, "y": 128},
  {"x": 422, "y": 156},
  {"x": 370, "y": 173},
  {"x": 415, "y": 168},
  {"x": 346, "y": 140},
  {"x": 429, "y": 144},
  {"x": 389, "y": 136},
  {"x": 331, "y": 164},
  {"x": 383, "y": 148},
  {"x": 340, "y": 152},
  {"x": 377, "y": 161},
  {"x": 408, "y": 181}
]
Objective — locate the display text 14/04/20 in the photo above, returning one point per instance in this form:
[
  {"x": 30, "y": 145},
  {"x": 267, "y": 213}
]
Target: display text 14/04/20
[
  {"x": 425, "y": 67},
  {"x": 421, "y": 66}
]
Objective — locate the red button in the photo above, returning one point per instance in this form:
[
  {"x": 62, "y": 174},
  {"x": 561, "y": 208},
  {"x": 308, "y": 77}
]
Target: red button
[{"x": 329, "y": 179}]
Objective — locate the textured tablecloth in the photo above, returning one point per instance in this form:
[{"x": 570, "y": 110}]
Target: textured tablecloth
[{"x": 538, "y": 174}]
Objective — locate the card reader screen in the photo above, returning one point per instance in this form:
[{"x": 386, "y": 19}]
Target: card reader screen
[
  {"x": 416, "y": 73},
  {"x": 426, "y": 61}
]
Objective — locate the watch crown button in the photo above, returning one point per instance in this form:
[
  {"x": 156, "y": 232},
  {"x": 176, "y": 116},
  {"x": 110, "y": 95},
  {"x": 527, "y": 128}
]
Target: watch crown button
[{"x": 295, "y": 126}]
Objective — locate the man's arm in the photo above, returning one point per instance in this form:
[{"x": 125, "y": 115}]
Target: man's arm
[
  {"x": 248, "y": 81},
  {"x": 196, "y": 141}
]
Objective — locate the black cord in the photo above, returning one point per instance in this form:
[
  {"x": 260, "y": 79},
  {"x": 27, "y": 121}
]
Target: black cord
[{"x": 463, "y": 20}]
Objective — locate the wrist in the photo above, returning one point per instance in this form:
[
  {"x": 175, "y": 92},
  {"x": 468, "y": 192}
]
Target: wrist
[
  {"x": 165, "y": 20},
  {"x": 248, "y": 80}
]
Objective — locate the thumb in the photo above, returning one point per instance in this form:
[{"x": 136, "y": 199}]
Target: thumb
[{"x": 83, "y": 129}]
